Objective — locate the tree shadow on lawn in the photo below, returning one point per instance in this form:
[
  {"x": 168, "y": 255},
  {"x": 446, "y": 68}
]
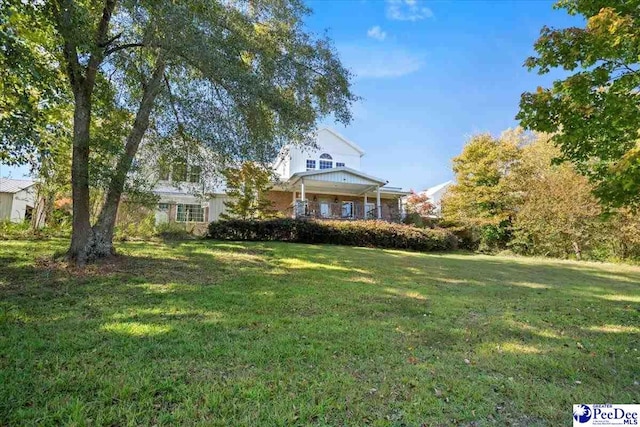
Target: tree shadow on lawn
[{"x": 167, "y": 330}]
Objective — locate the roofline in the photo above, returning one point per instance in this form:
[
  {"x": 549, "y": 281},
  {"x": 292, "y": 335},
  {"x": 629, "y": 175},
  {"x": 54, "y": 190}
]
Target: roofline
[
  {"x": 394, "y": 191},
  {"x": 350, "y": 143},
  {"x": 438, "y": 187},
  {"x": 28, "y": 183},
  {"x": 299, "y": 175}
]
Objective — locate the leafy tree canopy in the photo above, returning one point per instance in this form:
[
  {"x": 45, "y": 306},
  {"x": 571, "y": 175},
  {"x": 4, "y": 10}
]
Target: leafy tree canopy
[
  {"x": 594, "y": 113},
  {"x": 479, "y": 196},
  {"x": 240, "y": 77},
  {"x": 556, "y": 212},
  {"x": 248, "y": 187}
]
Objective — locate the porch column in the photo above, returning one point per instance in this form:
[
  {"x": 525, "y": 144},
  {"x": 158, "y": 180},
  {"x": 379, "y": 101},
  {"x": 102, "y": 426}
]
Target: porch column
[
  {"x": 378, "y": 205},
  {"x": 364, "y": 208},
  {"x": 294, "y": 205},
  {"x": 400, "y": 208},
  {"x": 302, "y": 196}
]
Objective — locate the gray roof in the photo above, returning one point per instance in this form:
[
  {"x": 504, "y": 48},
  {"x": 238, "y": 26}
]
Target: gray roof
[{"x": 14, "y": 185}]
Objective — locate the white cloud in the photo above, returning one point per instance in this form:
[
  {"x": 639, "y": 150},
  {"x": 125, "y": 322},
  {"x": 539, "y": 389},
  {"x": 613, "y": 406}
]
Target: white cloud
[
  {"x": 376, "y": 33},
  {"x": 375, "y": 61},
  {"x": 407, "y": 10}
]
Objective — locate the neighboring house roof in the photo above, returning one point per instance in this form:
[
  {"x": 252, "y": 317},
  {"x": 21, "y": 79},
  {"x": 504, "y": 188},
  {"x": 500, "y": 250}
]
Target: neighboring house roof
[
  {"x": 296, "y": 176},
  {"x": 14, "y": 185},
  {"x": 433, "y": 190},
  {"x": 345, "y": 140}
]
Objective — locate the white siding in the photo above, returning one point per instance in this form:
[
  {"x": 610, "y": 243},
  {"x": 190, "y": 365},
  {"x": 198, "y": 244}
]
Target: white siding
[
  {"x": 340, "y": 176},
  {"x": 6, "y": 201},
  {"x": 21, "y": 200},
  {"x": 328, "y": 142},
  {"x": 217, "y": 207}
]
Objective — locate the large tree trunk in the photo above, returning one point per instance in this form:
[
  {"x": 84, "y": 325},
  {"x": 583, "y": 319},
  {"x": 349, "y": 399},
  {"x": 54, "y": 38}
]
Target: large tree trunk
[
  {"x": 104, "y": 227},
  {"x": 82, "y": 79},
  {"x": 82, "y": 234}
]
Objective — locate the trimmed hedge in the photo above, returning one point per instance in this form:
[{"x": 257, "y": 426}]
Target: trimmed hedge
[{"x": 377, "y": 234}]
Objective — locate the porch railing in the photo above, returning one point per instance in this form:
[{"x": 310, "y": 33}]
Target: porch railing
[{"x": 343, "y": 210}]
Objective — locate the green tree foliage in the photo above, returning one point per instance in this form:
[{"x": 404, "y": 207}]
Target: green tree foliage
[
  {"x": 31, "y": 85},
  {"x": 557, "y": 213},
  {"x": 242, "y": 78},
  {"x": 248, "y": 187},
  {"x": 594, "y": 113},
  {"x": 479, "y": 200},
  {"x": 512, "y": 194}
]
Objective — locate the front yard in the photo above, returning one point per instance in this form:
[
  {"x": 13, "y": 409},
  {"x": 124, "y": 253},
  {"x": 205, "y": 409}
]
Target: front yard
[{"x": 284, "y": 334}]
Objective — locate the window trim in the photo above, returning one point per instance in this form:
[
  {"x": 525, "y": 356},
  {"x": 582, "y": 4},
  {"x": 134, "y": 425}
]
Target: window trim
[
  {"x": 351, "y": 211},
  {"x": 311, "y": 161},
  {"x": 326, "y": 156},
  {"x": 190, "y": 174},
  {"x": 325, "y": 162},
  {"x": 204, "y": 220}
]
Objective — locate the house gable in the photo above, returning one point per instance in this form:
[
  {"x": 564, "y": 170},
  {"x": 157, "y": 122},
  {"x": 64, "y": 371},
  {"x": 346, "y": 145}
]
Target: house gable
[{"x": 332, "y": 147}]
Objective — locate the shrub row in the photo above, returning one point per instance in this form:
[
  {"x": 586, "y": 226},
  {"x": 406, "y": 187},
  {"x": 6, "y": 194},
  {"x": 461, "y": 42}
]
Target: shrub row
[{"x": 378, "y": 234}]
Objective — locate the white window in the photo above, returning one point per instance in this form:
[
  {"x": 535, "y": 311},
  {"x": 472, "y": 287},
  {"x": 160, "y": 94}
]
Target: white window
[
  {"x": 339, "y": 164},
  {"x": 190, "y": 213},
  {"x": 311, "y": 165},
  {"x": 179, "y": 170},
  {"x": 194, "y": 174},
  {"x": 164, "y": 168},
  {"x": 326, "y": 164}
]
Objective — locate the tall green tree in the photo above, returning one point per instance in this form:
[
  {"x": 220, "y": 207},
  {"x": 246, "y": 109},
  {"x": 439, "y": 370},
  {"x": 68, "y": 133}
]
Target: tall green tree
[
  {"x": 248, "y": 187},
  {"x": 594, "y": 113},
  {"x": 556, "y": 212},
  {"x": 241, "y": 77},
  {"x": 479, "y": 199}
]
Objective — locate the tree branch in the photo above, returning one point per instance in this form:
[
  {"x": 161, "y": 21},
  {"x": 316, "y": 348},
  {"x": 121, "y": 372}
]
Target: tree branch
[
  {"x": 123, "y": 47},
  {"x": 63, "y": 24},
  {"x": 97, "y": 56},
  {"x": 174, "y": 109},
  {"x": 110, "y": 41}
]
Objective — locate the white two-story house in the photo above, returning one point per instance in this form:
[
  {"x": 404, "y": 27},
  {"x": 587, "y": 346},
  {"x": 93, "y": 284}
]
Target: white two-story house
[{"x": 326, "y": 182}]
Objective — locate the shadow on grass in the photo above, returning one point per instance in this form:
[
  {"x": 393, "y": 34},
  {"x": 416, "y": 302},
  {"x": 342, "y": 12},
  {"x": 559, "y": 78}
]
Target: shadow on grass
[{"x": 236, "y": 332}]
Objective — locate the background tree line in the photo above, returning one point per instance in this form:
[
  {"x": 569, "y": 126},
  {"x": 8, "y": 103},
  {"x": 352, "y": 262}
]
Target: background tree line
[{"x": 510, "y": 194}]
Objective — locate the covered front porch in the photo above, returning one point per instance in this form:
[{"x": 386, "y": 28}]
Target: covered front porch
[{"x": 343, "y": 193}]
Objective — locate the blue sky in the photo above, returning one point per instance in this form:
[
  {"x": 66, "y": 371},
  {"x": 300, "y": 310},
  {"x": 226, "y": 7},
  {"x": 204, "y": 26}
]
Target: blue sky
[{"x": 431, "y": 74}]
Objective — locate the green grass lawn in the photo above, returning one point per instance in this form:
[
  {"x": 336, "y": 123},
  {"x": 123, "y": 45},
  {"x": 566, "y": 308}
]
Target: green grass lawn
[{"x": 284, "y": 334}]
